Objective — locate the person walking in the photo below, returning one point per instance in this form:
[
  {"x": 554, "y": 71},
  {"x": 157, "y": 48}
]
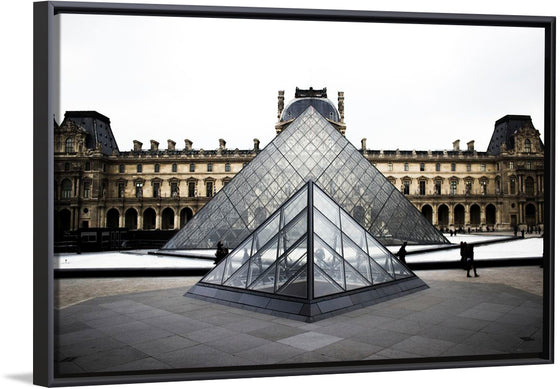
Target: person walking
[
  {"x": 469, "y": 253},
  {"x": 401, "y": 254}
]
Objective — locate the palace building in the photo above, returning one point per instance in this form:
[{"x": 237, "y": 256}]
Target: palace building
[{"x": 161, "y": 188}]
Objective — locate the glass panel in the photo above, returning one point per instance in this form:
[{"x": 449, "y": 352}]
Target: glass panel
[
  {"x": 354, "y": 279},
  {"x": 327, "y": 231},
  {"x": 400, "y": 270},
  {"x": 262, "y": 260},
  {"x": 297, "y": 286},
  {"x": 295, "y": 206},
  {"x": 356, "y": 257},
  {"x": 354, "y": 231},
  {"x": 239, "y": 279},
  {"x": 293, "y": 233},
  {"x": 290, "y": 265},
  {"x": 237, "y": 258},
  {"x": 265, "y": 283},
  {"x": 378, "y": 273},
  {"x": 263, "y": 235},
  {"x": 326, "y": 206},
  {"x": 328, "y": 261},
  {"x": 216, "y": 274},
  {"x": 322, "y": 285}
]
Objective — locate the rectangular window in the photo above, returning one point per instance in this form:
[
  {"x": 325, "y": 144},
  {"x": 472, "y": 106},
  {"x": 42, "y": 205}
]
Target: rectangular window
[
  {"x": 528, "y": 165},
  {"x": 453, "y": 187},
  {"x": 209, "y": 189},
  {"x": 468, "y": 167},
  {"x": 406, "y": 187},
  {"x": 139, "y": 168},
  {"x": 228, "y": 167},
  {"x": 121, "y": 168},
  {"x": 422, "y": 188},
  {"x": 438, "y": 167},
  {"x": 209, "y": 167},
  {"x": 483, "y": 188},
  {"x": 191, "y": 189},
  {"x": 87, "y": 189},
  {"x": 174, "y": 168},
  {"x": 482, "y": 167},
  {"x": 139, "y": 186},
  {"x": 174, "y": 189},
  {"x": 453, "y": 166},
  {"x": 406, "y": 166},
  {"x": 157, "y": 189},
  {"x": 191, "y": 167},
  {"x": 468, "y": 188},
  {"x": 156, "y": 168},
  {"x": 422, "y": 167},
  {"x": 390, "y": 167},
  {"x": 120, "y": 190},
  {"x": 510, "y": 165},
  {"x": 437, "y": 188}
]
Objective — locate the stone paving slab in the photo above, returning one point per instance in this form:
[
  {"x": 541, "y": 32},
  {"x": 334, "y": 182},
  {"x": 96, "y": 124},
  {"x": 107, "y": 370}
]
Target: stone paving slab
[{"x": 162, "y": 329}]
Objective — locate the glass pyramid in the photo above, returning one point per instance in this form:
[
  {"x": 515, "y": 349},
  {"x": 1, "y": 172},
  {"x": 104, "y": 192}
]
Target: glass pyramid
[
  {"x": 310, "y": 148},
  {"x": 308, "y": 249},
  {"x": 309, "y": 237}
]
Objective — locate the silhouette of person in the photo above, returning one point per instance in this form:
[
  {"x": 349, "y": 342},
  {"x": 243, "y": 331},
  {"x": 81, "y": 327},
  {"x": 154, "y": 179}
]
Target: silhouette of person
[
  {"x": 221, "y": 252},
  {"x": 401, "y": 254},
  {"x": 469, "y": 253}
]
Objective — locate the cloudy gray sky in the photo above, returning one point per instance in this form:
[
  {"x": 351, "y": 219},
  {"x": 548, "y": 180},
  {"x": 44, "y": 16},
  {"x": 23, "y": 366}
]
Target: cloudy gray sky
[{"x": 406, "y": 86}]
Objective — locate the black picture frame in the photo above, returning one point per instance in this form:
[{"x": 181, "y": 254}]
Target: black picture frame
[{"x": 44, "y": 71}]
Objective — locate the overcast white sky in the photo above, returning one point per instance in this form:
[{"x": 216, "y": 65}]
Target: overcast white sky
[{"x": 406, "y": 86}]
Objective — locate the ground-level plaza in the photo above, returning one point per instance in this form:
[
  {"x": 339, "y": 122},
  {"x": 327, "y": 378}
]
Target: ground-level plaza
[{"x": 135, "y": 324}]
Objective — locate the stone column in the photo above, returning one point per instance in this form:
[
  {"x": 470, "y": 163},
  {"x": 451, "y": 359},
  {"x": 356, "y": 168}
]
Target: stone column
[
  {"x": 158, "y": 218},
  {"x": 483, "y": 214},
  {"x": 177, "y": 221}
]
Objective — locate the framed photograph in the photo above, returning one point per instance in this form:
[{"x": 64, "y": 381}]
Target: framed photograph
[{"x": 247, "y": 192}]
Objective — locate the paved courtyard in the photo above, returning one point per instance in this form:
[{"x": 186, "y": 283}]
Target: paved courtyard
[{"x": 161, "y": 329}]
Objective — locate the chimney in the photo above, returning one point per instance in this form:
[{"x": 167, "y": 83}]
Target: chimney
[
  {"x": 154, "y": 145},
  {"x": 256, "y": 144},
  {"x": 341, "y": 106},
  {"x": 137, "y": 145},
  {"x": 188, "y": 145},
  {"x": 170, "y": 144},
  {"x": 280, "y": 103},
  {"x": 364, "y": 144},
  {"x": 456, "y": 146},
  {"x": 470, "y": 145},
  {"x": 222, "y": 144}
]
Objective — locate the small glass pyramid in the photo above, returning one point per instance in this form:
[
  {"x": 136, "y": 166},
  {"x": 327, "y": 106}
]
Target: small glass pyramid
[
  {"x": 309, "y": 249},
  {"x": 310, "y": 148}
]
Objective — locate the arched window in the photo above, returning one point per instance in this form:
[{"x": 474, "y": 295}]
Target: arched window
[
  {"x": 69, "y": 145},
  {"x": 66, "y": 189},
  {"x": 527, "y": 146}
]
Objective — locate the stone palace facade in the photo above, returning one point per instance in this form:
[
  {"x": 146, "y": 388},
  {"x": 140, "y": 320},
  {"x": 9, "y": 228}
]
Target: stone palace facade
[{"x": 161, "y": 188}]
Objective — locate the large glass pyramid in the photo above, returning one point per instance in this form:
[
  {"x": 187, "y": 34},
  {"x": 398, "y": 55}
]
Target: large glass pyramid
[
  {"x": 310, "y": 148},
  {"x": 308, "y": 260}
]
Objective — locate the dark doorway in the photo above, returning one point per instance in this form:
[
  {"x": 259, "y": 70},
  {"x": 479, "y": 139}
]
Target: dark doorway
[
  {"x": 167, "y": 219},
  {"x": 149, "y": 219},
  {"x": 427, "y": 212},
  {"x": 131, "y": 219},
  {"x": 113, "y": 218}
]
